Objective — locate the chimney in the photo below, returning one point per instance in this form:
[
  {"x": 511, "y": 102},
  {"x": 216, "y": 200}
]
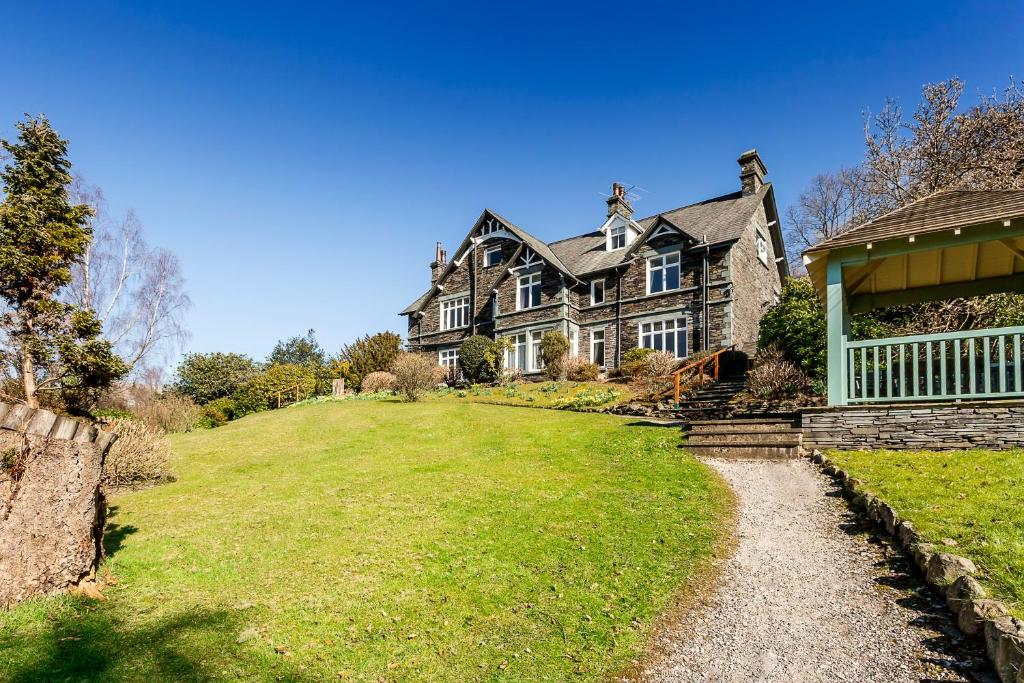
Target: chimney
[
  {"x": 617, "y": 203},
  {"x": 752, "y": 172},
  {"x": 440, "y": 261}
]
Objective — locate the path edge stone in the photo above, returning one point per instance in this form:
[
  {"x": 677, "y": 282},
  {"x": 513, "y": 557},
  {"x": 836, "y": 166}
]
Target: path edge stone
[{"x": 951, "y": 575}]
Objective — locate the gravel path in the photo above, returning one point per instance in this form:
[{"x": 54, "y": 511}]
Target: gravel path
[{"x": 810, "y": 595}]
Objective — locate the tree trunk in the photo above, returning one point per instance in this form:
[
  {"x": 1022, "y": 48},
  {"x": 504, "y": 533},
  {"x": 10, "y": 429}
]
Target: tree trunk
[{"x": 28, "y": 379}]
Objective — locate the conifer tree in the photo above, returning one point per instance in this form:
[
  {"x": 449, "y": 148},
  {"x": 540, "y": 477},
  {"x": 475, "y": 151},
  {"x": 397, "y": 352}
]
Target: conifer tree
[{"x": 49, "y": 344}]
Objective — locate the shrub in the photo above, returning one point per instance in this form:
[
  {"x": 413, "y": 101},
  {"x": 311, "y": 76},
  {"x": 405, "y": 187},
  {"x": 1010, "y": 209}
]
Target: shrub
[
  {"x": 261, "y": 392},
  {"x": 369, "y": 354},
  {"x": 473, "y": 359},
  {"x": 554, "y": 349},
  {"x": 219, "y": 412},
  {"x": 774, "y": 377},
  {"x": 579, "y": 369},
  {"x": 653, "y": 374},
  {"x": 138, "y": 456},
  {"x": 206, "y": 376},
  {"x": 376, "y": 382},
  {"x": 634, "y": 362},
  {"x": 415, "y": 375},
  {"x": 171, "y": 413}
]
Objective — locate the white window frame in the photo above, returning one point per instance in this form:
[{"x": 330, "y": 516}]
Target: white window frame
[
  {"x": 488, "y": 252},
  {"x": 530, "y": 343},
  {"x": 448, "y": 358},
  {"x": 664, "y": 267},
  {"x": 458, "y": 308},
  {"x": 614, "y": 234},
  {"x": 604, "y": 346},
  {"x": 604, "y": 291},
  {"x": 761, "y": 242},
  {"x": 527, "y": 282},
  {"x": 574, "y": 341},
  {"x": 677, "y": 328}
]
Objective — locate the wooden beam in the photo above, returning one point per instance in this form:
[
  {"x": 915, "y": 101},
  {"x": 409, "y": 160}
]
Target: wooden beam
[
  {"x": 863, "y": 277},
  {"x": 837, "y": 318},
  {"x": 861, "y": 303},
  {"x": 938, "y": 265},
  {"x": 1014, "y": 249},
  {"x": 975, "y": 252}
]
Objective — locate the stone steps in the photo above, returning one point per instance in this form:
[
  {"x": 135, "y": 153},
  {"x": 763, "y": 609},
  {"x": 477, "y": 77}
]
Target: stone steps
[{"x": 769, "y": 437}]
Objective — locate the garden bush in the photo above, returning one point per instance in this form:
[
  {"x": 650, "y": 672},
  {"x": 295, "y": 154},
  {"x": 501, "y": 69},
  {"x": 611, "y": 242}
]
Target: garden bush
[
  {"x": 171, "y": 412},
  {"x": 206, "y": 376},
  {"x": 261, "y": 392},
  {"x": 368, "y": 354},
  {"x": 634, "y": 362},
  {"x": 474, "y": 361},
  {"x": 579, "y": 369},
  {"x": 774, "y": 378},
  {"x": 554, "y": 350},
  {"x": 652, "y": 375},
  {"x": 376, "y": 382},
  {"x": 219, "y": 412},
  {"x": 139, "y": 456},
  {"x": 415, "y": 375}
]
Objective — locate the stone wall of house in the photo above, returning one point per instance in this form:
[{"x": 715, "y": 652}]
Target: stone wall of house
[
  {"x": 52, "y": 510},
  {"x": 922, "y": 426},
  {"x": 754, "y": 283}
]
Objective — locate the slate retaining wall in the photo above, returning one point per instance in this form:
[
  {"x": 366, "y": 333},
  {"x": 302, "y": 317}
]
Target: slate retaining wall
[{"x": 919, "y": 426}]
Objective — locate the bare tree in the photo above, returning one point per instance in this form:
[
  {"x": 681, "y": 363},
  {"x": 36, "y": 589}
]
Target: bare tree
[
  {"x": 832, "y": 203},
  {"x": 137, "y": 291}
]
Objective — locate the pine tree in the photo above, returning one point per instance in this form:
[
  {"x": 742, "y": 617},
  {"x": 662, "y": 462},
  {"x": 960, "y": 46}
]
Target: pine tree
[{"x": 51, "y": 344}]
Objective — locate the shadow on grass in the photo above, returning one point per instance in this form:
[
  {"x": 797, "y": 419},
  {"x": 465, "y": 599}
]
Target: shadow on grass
[
  {"x": 114, "y": 535},
  {"x": 87, "y": 642}
]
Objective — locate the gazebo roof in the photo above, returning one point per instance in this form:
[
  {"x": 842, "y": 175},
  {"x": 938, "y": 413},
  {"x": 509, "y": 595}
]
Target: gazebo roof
[{"x": 950, "y": 243}]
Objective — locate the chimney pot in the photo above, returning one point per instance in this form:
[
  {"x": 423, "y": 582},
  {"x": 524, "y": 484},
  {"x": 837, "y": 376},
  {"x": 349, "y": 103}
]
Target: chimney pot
[
  {"x": 617, "y": 203},
  {"x": 440, "y": 261}
]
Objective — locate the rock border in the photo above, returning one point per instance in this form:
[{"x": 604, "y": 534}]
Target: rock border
[
  {"x": 22, "y": 419},
  {"x": 951, "y": 575}
]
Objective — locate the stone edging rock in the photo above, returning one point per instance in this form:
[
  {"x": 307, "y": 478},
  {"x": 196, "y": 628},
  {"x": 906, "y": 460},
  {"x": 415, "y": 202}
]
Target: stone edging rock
[
  {"x": 21, "y": 418},
  {"x": 951, "y": 575}
]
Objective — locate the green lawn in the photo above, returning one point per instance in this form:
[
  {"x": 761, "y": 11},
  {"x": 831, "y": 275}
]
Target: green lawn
[
  {"x": 583, "y": 395},
  {"x": 364, "y": 540},
  {"x": 975, "y": 498}
]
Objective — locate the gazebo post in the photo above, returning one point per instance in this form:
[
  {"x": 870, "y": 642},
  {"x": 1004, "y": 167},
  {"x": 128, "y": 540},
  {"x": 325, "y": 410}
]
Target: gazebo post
[{"x": 838, "y": 331}]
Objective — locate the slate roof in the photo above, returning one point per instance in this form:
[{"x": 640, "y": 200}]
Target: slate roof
[
  {"x": 942, "y": 210},
  {"x": 720, "y": 219}
]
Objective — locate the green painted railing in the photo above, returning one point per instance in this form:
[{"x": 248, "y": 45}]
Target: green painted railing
[{"x": 977, "y": 364}]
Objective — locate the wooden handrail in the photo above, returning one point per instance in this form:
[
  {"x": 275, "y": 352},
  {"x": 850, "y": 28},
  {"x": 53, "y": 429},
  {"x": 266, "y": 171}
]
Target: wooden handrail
[
  {"x": 296, "y": 389},
  {"x": 700, "y": 365}
]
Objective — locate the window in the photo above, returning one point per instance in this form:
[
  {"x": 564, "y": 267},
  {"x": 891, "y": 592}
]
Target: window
[
  {"x": 529, "y": 291},
  {"x": 517, "y": 358},
  {"x": 492, "y": 256},
  {"x": 455, "y": 313},
  {"x": 618, "y": 237},
  {"x": 597, "y": 347},
  {"x": 596, "y": 292},
  {"x": 663, "y": 273},
  {"x": 665, "y": 335},
  {"x": 574, "y": 341},
  {"x": 536, "y": 349},
  {"x": 762, "y": 247},
  {"x": 448, "y": 358}
]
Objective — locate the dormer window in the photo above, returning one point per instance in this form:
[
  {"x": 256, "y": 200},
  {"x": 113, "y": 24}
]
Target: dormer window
[{"x": 617, "y": 239}]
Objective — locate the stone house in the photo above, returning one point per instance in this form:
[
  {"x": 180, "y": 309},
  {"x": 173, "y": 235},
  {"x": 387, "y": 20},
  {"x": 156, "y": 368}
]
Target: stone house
[{"x": 687, "y": 279}]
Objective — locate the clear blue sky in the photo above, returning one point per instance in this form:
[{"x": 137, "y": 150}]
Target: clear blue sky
[{"x": 302, "y": 159}]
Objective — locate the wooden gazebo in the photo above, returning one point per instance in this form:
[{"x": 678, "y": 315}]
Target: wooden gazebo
[{"x": 954, "y": 243}]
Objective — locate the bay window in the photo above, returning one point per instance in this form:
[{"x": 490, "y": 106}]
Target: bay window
[{"x": 663, "y": 273}]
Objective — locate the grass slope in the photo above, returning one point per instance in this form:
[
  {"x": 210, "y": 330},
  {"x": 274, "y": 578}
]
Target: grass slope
[
  {"x": 975, "y": 498},
  {"x": 545, "y": 394},
  {"x": 388, "y": 541}
]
